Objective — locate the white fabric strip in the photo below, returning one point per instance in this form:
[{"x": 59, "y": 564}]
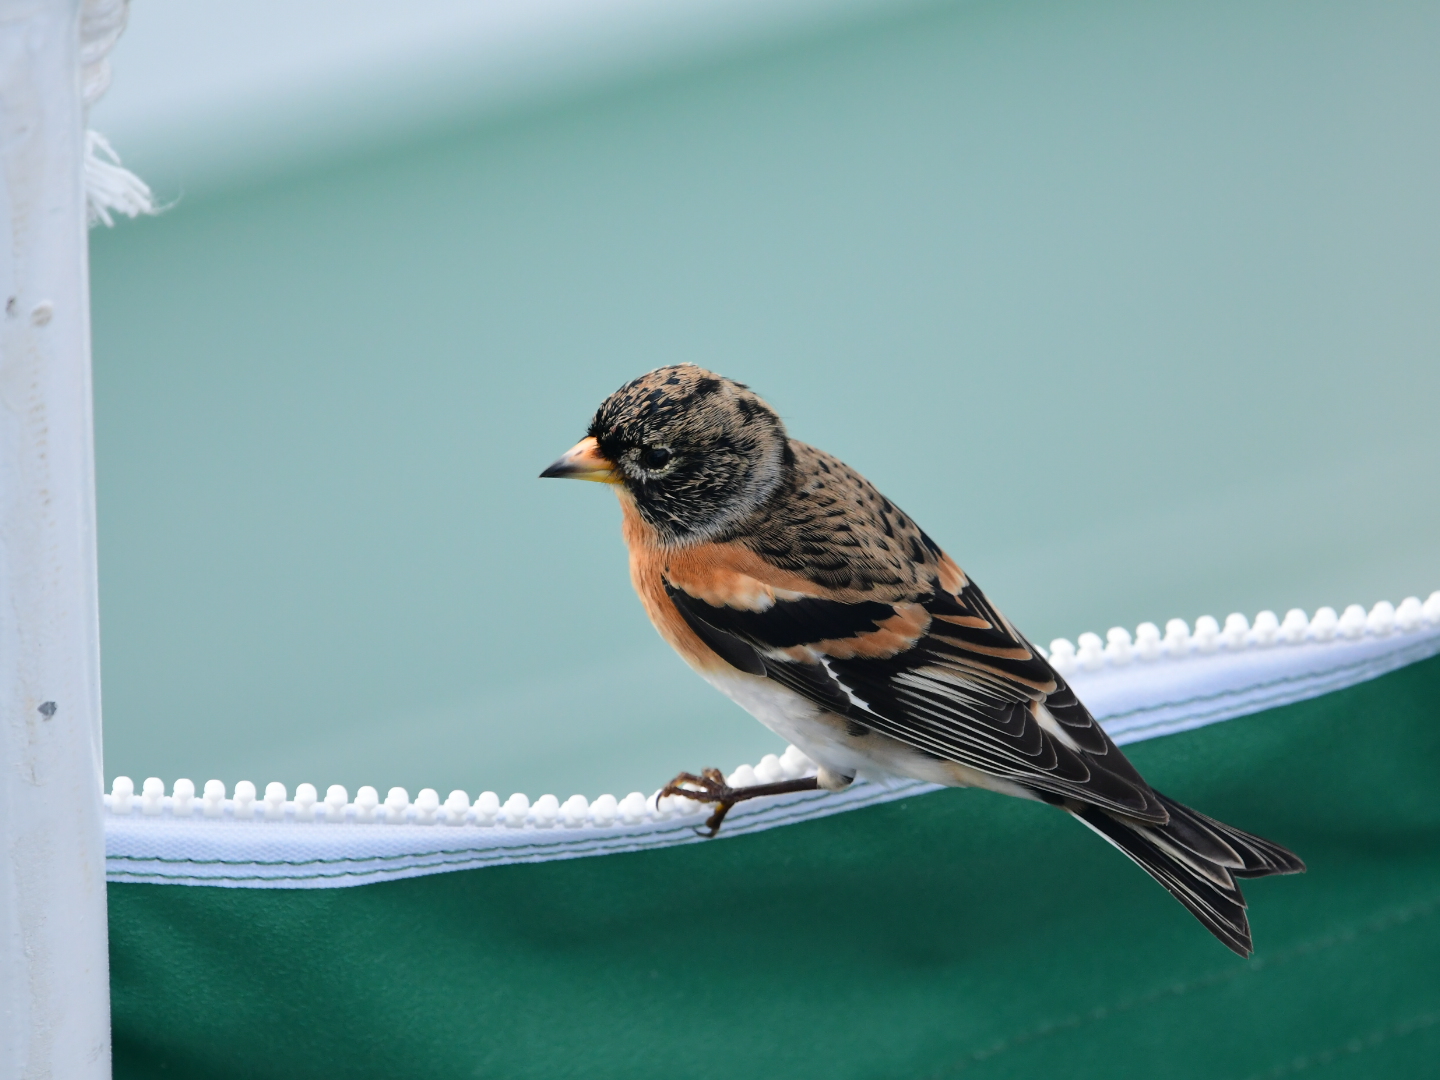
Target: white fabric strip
[
  {"x": 1143, "y": 700},
  {"x": 264, "y": 854},
  {"x": 166, "y": 843}
]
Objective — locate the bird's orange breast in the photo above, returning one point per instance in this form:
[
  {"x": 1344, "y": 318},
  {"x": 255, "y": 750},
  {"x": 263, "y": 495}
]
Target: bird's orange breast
[
  {"x": 723, "y": 575},
  {"x": 648, "y": 561}
]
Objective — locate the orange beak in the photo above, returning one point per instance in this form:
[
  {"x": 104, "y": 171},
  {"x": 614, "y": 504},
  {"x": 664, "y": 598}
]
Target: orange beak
[{"x": 583, "y": 461}]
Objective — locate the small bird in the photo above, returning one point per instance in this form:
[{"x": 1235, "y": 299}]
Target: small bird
[{"x": 795, "y": 588}]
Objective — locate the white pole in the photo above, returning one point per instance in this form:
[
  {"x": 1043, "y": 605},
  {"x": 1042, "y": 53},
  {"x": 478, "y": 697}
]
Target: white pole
[{"x": 54, "y": 970}]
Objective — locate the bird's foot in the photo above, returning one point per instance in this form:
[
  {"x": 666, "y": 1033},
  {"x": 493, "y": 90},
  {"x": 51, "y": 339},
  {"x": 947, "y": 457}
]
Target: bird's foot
[{"x": 710, "y": 787}]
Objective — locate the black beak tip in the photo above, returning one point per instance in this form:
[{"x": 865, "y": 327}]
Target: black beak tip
[{"x": 557, "y": 470}]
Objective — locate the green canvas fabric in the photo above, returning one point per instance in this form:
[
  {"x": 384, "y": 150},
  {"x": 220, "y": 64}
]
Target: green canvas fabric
[{"x": 955, "y": 933}]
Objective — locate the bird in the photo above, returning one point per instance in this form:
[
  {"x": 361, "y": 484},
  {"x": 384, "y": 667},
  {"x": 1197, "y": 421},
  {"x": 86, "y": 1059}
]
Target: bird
[{"x": 794, "y": 587}]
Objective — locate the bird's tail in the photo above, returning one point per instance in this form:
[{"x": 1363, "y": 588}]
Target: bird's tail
[{"x": 1198, "y": 859}]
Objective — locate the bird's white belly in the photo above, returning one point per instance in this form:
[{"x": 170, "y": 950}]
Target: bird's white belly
[
  {"x": 786, "y": 713},
  {"x": 823, "y": 737}
]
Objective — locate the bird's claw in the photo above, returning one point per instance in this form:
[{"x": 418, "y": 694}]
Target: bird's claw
[
  {"x": 712, "y": 787},
  {"x": 708, "y": 787}
]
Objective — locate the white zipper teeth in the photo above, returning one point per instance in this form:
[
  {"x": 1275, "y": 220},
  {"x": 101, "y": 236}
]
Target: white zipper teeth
[
  {"x": 1238, "y": 634},
  {"x": 487, "y": 811},
  {"x": 1119, "y": 650}
]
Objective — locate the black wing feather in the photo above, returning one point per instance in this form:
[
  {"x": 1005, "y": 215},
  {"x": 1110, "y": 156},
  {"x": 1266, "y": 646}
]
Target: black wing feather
[
  {"x": 788, "y": 622},
  {"x": 963, "y": 691},
  {"x": 732, "y": 649}
]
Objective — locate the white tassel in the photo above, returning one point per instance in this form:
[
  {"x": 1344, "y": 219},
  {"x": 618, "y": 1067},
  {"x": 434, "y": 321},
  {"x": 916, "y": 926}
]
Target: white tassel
[
  {"x": 1352, "y": 622},
  {"x": 456, "y": 807},
  {"x": 1322, "y": 626},
  {"x": 793, "y": 763},
  {"x": 769, "y": 771},
  {"x": 367, "y": 799},
  {"x": 1207, "y": 635},
  {"x": 1147, "y": 641},
  {"x": 1293, "y": 629},
  {"x": 1118, "y": 647},
  {"x": 109, "y": 186},
  {"x": 545, "y": 811},
  {"x": 244, "y": 800},
  {"x": 275, "y": 799},
  {"x": 603, "y": 811},
  {"x": 487, "y": 806},
  {"x": 1177, "y": 639},
  {"x": 397, "y": 806},
  {"x": 336, "y": 799},
  {"x": 743, "y": 776},
  {"x": 182, "y": 798},
  {"x": 122, "y": 796},
  {"x": 1236, "y": 634},
  {"x": 632, "y": 808},
  {"x": 1381, "y": 620},
  {"x": 1062, "y": 656},
  {"x": 516, "y": 810},
  {"x": 427, "y": 806},
  {"x": 575, "y": 811},
  {"x": 1267, "y": 628},
  {"x": 152, "y": 796},
  {"x": 214, "y": 801}
]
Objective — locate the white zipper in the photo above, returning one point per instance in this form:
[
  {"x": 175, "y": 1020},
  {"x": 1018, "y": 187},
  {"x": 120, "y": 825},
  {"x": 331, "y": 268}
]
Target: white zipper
[{"x": 1095, "y": 667}]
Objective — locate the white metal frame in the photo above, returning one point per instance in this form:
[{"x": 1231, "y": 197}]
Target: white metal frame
[{"x": 54, "y": 966}]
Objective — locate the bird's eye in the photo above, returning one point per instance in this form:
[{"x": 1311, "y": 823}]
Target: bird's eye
[{"x": 654, "y": 457}]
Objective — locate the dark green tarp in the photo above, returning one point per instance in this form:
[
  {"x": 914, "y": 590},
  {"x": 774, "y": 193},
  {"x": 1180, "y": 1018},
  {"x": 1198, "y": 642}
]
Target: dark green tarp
[{"x": 952, "y": 933}]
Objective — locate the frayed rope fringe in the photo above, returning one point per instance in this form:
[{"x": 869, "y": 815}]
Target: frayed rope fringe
[{"x": 109, "y": 186}]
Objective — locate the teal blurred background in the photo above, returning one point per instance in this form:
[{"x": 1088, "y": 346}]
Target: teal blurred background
[{"x": 1132, "y": 305}]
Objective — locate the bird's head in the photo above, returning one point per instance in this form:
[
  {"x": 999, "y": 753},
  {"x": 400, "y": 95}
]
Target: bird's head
[{"x": 697, "y": 452}]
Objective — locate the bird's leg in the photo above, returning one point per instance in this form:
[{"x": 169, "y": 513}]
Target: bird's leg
[{"x": 710, "y": 787}]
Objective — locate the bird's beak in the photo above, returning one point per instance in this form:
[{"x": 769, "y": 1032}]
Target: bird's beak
[{"x": 584, "y": 461}]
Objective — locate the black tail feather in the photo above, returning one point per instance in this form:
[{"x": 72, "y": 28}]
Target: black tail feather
[
  {"x": 1259, "y": 857},
  {"x": 1197, "y": 859}
]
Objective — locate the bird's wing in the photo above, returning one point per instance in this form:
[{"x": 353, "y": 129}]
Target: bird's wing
[{"x": 944, "y": 672}]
